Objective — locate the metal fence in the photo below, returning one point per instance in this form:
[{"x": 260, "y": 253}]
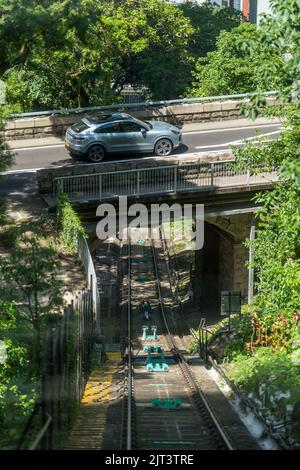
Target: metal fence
[
  {"x": 142, "y": 105},
  {"x": 66, "y": 364},
  {"x": 87, "y": 261},
  {"x": 158, "y": 180},
  {"x": 65, "y": 370}
]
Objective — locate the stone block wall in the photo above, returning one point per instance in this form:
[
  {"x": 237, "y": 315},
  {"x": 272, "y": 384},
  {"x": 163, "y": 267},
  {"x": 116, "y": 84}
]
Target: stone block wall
[
  {"x": 56, "y": 125},
  {"x": 233, "y": 255}
]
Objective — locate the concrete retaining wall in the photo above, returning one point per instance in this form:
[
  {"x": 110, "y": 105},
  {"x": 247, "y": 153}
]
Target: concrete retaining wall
[{"x": 177, "y": 114}]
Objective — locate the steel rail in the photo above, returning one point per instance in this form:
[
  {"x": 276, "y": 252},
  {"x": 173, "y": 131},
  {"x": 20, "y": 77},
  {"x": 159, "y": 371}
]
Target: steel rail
[
  {"x": 145, "y": 104},
  {"x": 184, "y": 367},
  {"x": 129, "y": 379}
]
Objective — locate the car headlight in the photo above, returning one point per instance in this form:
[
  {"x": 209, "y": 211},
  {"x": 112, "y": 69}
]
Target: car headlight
[{"x": 175, "y": 132}]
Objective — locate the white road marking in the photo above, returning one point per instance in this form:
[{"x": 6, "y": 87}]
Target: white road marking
[
  {"x": 222, "y": 147},
  {"x": 233, "y": 129},
  {"x": 240, "y": 141},
  {"x": 38, "y": 147}
]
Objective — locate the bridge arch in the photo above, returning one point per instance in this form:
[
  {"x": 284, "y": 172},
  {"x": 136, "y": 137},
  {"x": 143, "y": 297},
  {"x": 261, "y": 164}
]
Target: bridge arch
[{"x": 221, "y": 264}]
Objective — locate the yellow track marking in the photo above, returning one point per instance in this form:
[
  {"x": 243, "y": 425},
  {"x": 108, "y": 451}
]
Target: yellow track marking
[{"x": 89, "y": 427}]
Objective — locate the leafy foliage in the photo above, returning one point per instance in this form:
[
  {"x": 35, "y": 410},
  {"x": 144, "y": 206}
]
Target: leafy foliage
[
  {"x": 6, "y": 156},
  {"x": 69, "y": 225},
  {"x": 277, "y": 246},
  {"x": 208, "y": 22},
  {"x": 29, "y": 275},
  {"x": 82, "y": 52},
  {"x": 265, "y": 356},
  {"x": 232, "y": 68},
  {"x": 272, "y": 380},
  {"x": 18, "y": 380}
]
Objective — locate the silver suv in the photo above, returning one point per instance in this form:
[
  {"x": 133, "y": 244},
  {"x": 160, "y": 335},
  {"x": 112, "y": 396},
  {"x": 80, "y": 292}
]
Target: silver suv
[{"x": 120, "y": 132}]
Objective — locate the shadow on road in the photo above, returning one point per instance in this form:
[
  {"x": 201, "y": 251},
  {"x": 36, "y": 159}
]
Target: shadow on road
[{"x": 121, "y": 156}]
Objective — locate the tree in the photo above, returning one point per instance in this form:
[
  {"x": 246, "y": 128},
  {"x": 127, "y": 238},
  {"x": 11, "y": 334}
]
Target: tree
[
  {"x": 6, "y": 156},
  {"x": 277, "y": 246},
  {"x": 208, "y": 22},
  {"x": 81, "y": 52},
  {"x": 279, "y": 35},
  {"x": 232, "y": 68},
  {"x": 29, "y": 277},
  {"x": 279, "y": 49},
  {"x": 164, "y": 65}
]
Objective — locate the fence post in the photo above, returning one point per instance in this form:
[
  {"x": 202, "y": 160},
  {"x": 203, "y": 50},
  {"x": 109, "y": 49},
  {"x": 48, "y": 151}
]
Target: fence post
[
  {"x": 212, "y": 168},
  {"x": 100, "y": 187},
  {"x": 175, "y": 178},
  {"x": 138, "y": 183}
]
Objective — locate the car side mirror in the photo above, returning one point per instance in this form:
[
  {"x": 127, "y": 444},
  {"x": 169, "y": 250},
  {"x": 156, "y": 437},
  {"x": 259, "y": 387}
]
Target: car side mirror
[{"x": 143, "y": 131}]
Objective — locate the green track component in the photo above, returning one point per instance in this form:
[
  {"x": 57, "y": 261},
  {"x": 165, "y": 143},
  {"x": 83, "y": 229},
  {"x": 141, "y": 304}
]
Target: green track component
[
  {"x": 166, "y": 403},
  {"x": 144, "y": 259},
  {"x": 146, "y": 336},
  {"x": 143, "y": 278},
  {"x": 156, "y": 361},
  {"x": 152, "y": 349}
]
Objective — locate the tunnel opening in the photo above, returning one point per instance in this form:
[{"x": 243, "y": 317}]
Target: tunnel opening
[{"x": 214, "y": 268}]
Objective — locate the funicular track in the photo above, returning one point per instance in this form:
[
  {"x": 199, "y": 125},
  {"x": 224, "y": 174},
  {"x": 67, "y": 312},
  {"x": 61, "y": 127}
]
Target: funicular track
[{"x": 163, "y": 410}]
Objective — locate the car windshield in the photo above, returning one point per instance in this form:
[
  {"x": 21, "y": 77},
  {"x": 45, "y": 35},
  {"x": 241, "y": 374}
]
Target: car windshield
[{"x": 146, "y": 124}]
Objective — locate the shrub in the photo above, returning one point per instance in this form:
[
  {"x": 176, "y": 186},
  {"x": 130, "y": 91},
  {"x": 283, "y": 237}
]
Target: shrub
[{"x": 69, "y": 225}]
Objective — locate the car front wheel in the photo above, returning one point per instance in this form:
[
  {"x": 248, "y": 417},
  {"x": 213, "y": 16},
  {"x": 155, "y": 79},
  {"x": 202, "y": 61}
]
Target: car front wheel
[
  {"x": 96, "y": 153},
  {"x": 163, "y": 147}
]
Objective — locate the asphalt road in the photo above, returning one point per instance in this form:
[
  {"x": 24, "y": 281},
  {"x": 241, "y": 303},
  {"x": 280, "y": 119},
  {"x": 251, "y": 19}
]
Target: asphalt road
[{"x": 33, "y": 155}]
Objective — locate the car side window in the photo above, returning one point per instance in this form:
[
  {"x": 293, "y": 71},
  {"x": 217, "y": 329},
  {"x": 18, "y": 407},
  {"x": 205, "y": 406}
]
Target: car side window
[
  {"x": 130, "y": 127},
  {"x": 108, "y": 128}
]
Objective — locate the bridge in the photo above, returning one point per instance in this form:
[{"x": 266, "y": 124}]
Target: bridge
[
  {"x": 225, "y": 189},
  {"x": 158, "y": 179}
]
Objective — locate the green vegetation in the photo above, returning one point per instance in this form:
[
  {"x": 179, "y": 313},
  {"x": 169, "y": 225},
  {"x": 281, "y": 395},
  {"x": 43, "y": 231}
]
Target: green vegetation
[
  {"x": 233, "y": 67},
  {"x": 30, "y": 300},
  {"x": 250, "y": 59},
  {"x": 208, "y": 22},
  {"x": 6, "y": 156},
  {"x": 262, "y": 352},
  {"x": 82, "y": 52},
  {"x": 69, "y": 225},
  {"x": 19, "y": 382}
]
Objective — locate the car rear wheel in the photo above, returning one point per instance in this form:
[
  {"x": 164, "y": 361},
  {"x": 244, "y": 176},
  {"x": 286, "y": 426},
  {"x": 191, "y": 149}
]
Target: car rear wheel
[
  {"x": 96, "y": 153},
  {"x": 163, "y": 147}
]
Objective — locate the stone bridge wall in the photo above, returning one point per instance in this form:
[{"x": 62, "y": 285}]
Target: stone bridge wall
[
  {"x": 233, "y": 253},
  {"x": 177, "y": 114}
]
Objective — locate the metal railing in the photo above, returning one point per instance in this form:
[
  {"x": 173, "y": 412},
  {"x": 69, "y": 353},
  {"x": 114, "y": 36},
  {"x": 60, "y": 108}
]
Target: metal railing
[
  {"x": 158, "y": 180},
  {"x": 66, "y": 366},
  {"x": 142, "y": 105},
  {"x": 202, "y": 339},
  {"x": 87, "y": 261}
]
